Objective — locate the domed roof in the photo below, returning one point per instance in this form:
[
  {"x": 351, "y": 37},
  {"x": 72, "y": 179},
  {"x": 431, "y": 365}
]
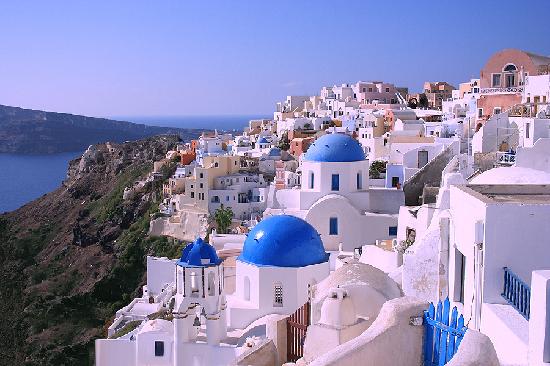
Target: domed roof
[
  {"x": 198, "y": 254},
  {"x": 335, "y": 147},
  {"x": 512, "y": 175},
  {"x": 283, "y": 241},
  {"x": 274, "y": 151},
  {"x": 338, "y": 309},
  {"x": 263, "y": 140}
]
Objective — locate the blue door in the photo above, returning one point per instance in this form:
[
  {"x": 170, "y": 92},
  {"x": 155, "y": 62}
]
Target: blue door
[{"x": 444, "y": 332}]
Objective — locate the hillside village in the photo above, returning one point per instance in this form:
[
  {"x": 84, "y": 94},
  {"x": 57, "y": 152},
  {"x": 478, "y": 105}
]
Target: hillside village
[{"x": 363, "y": 225}]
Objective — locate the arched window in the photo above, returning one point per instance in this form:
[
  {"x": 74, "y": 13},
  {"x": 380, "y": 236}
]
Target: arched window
[
  {"x": 194, "y": 284},
  {"x": 510, "y": 68},
  {"x": 278, "y": 294},
  {"x": 311, "y": 180},
  {"x": 211, "y": 284},
  {"x": 359, "y": 180}
]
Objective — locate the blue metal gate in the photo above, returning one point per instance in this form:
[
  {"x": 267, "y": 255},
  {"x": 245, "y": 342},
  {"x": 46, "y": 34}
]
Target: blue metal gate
[{"x": 443, "y": 333}]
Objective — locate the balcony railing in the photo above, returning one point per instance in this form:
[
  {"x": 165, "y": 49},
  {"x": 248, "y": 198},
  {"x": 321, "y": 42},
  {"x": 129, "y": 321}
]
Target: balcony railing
[
  {"x": 508, "y": 90},
  {"x": 529, "y": 109},
  {"x": 505, "y": 158},
  {"x": 517, "y": 293}
]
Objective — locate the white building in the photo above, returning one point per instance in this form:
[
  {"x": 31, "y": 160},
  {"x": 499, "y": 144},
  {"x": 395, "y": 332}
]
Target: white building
[
  {"x": 335, "y": 196},
  {"x": 244, "y": 193},
  {"x": 281, "y": 258}
]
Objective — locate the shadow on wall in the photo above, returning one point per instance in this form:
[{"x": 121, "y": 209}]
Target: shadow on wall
[{"x": 429, "y": 175}]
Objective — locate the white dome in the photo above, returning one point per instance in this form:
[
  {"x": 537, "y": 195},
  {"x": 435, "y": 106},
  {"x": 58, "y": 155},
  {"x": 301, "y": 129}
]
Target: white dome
[
  {"x": 512, "y": 175},
  {"x": 338, "y": 310}
]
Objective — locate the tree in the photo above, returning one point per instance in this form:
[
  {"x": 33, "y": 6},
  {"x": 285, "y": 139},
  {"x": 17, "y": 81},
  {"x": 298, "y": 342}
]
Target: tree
[
  {"x": 423, "y": 101},
  {"x": 284, "y": 143},
  {"x": 223, "y": 217},
  {"x": 376, "y": 168}
]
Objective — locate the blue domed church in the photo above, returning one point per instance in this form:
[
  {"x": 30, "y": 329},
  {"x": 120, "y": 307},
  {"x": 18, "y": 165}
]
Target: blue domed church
[
  {"x": 336, "y": 198},
  {"x": 282, "y": 257}
]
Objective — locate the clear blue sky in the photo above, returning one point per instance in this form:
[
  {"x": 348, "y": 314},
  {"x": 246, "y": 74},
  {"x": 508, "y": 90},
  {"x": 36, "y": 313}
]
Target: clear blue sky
[{"x": 109, "y": 58}]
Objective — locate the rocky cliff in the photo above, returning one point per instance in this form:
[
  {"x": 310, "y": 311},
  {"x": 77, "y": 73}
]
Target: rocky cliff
[
  {"x": 37, "y": 132},
  {"x": 71, "y": 258}
]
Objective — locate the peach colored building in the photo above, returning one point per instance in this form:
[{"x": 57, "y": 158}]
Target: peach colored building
[
  {"x": 502, "y": 80},
  {"x": 299, "y": 145}
]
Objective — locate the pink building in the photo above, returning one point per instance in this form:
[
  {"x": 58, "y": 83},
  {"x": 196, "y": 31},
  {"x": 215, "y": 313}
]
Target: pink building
[{"x": 502, "y": 79}]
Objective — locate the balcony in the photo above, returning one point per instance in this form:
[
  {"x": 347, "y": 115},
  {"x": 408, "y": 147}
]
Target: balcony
[
  {"x": 505, "y": 158},
  {"x": 517, "y": 293},
  {"x": 508, "y": 90},
  {"x": 529, "y": 109}
]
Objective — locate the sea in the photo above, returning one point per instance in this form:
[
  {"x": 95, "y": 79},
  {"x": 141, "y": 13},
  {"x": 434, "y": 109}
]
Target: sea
[{"x": 24, "y": 178}]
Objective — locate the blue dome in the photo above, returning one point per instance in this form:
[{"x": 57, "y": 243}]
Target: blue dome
[
  {"x": 335, "y": 147},
  {"x": 263, "y": 140},
  {"x": 198, "y": 254},
  {"x": 283, "y": 241},
  {"x": 275, "y": 151}
]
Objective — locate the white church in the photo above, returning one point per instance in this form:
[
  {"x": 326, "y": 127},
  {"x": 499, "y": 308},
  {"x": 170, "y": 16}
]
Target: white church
[
  {"x": 282, "y": 258},
  {"x": 336, "y": 198}
]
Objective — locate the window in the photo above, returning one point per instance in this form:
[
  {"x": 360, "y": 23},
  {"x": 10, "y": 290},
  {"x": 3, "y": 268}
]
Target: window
[
  {"x": 194, "y": 284},
  {"x": 159, "y": 348},
  {"x": 201, "y": 175},
  {"x": 496, "y": 80},
  {"x": 335, "y": 182},
  {"x": 333, "y": 226},
  {"x": 359, "y": 181},
  {"x": 226, "y": 198},
  {"x": 278, "y": 294},
  {"x": 422, "y": 158},
  {"x": 394, "y": 181},
  {"x": 460, "y": 266},
  {"x": 510, "y": 67},
  {"x": 479, "y": 112},
  {"x": 370, "y": 90},
  {"x": 496, "y": 110},
  {"x": 216, "y": 164},
  {"x": 311, "y": 180},
  {"x": 527, "y": 128},
  {"x": 201, "y": 185},
  {"x": 387, "y": 90},
  {"x": 192, "y": 194},
  {"x": 510, "y": 80},
  {"x": 392, "y": 231},
  {"x": 246, "y": 288}
]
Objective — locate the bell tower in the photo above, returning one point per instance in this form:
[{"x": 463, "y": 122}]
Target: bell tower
[{"x": 199, "y": 297}]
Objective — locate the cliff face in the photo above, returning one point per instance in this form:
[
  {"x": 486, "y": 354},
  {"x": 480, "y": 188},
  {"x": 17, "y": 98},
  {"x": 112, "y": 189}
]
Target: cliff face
[
  {"x": 37, "y": 132},
  {"x": 71, "y": 258}
]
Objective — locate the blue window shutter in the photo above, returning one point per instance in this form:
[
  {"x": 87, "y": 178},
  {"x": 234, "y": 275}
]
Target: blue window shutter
[
  {"x": 335, "y": 182},
  {"x": 333, "y": 226},
  {"x": 392, "y": 230},
  {"x": 159, "y": 348}
]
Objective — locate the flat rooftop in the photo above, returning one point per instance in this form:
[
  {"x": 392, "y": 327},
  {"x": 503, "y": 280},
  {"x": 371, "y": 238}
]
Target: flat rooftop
[{"x": 509, "y": 193}]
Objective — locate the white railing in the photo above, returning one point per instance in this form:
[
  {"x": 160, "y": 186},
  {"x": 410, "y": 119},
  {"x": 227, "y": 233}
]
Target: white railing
[{"x": 508, "y": 90}]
